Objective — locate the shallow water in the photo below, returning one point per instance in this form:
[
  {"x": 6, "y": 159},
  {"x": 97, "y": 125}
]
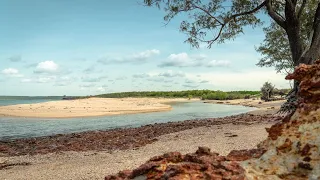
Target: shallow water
[
  {"x": 12, "y": 100},
  {"x": 17, "y": 127}
]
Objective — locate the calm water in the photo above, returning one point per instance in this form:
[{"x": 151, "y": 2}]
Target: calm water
[
  {"x": 12, "y": 100},
  {"x": 13, "y": 127}
]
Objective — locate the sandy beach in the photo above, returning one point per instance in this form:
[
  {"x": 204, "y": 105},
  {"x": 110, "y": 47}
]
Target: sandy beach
[
  {"x": 89, "y": 107},
  {"x": 97, "y": 164},
  {"x": 114, "y": 106},
  {"x": 93, "y": 155},
  {"x": 271, "y": 107}
]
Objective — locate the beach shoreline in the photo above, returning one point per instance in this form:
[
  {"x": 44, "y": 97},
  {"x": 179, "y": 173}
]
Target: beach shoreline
[
  {"x": 107, "y": 152},
  {"x": 95, "y": 107},
  {"x": 271, "y": 107},
  {"x": 90, "y": 107}
]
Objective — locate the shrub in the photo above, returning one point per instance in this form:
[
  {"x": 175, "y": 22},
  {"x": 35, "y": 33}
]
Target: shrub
[{"x": 267, "y": 91}]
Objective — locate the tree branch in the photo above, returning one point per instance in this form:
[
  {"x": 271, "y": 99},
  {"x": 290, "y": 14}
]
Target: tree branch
[
  {"x": 303, "y": 5},
  {"x": 207, "y": 12},
  {"x": 247, "y": 12},
  {"x": 278, "y": 19},
  {"x": 226, "y": 21}
]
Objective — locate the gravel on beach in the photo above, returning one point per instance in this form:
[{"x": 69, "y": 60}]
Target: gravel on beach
[{"x": 117, "y": 139}]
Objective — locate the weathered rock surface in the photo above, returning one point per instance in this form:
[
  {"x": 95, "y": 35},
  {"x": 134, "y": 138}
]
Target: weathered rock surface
[
  {"x": 200, "y": 165},
  {"x": 293, "y": 146},
  {"x": 292, "y": 150}
]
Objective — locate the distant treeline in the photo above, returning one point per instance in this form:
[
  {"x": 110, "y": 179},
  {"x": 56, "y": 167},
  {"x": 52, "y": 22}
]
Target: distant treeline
[{"x": 203, "y": 94}]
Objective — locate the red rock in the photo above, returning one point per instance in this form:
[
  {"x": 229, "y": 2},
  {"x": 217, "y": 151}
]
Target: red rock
[{"x": 242, "y": 155}]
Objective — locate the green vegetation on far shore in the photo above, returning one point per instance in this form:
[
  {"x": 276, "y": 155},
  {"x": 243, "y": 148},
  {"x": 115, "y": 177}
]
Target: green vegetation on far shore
[{"x": 202, "y": 94}]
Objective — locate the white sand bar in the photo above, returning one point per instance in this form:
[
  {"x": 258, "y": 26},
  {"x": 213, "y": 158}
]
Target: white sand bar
[{"x": 88, "y": 107}]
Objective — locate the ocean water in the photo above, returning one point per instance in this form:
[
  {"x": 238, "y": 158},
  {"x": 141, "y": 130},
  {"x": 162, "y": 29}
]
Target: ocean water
[
  {"x": 12, "y": 100},
  {"x": 17, "y": 127}
]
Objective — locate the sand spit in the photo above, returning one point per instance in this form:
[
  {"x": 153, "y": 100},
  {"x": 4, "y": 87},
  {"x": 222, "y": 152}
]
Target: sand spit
[
  {"x": 271, "y": 107},
  {"x": 89, "y": 107}
]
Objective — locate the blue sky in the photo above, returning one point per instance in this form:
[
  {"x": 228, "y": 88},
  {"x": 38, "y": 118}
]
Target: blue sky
[{"x": 58, "y": 47}]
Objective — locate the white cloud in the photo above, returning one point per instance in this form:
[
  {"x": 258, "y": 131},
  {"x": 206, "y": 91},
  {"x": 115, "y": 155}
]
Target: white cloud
[
  {"x": 220, "y": 63},
  {"x": 93, "y": 79},
  {"x": 11, "y": 72},
  {"x": 247, "y": 80},
  {"x": 89, "y": 79},
  {"x": 179, "y": 57},
  {"x": 46, "y": 79},
  {"x": 156, "y": 79},
  {"x": 145, "y": 54},
  {"x": 170, "y": 74},
  {"x": 59, "y": 81},
  {"x": 141, "y": 75},
  {"x": 159, "y": 76},
  {"x": 185, "y": 60},
  {"x": 47, "y": 67},
  {"x": 101, "y": 89},
  {"x": 87, "y": 85},
  {"x": 137, "y": 58},
  {"x": 180, "y": 60}
]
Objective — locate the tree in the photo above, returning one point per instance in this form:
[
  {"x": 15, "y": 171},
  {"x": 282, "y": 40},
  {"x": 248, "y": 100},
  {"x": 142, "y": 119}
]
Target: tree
[
  {"x": 276, "y": 48},
  {"x": 219, "y": 20},
  {"x": 267, "y": 90}
]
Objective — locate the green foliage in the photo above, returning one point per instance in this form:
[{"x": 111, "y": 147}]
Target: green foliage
[
  {"x": 219, "y": 20},
  {"x": 276, "y": 50},
  {"x": 267, "y": 91},
  {"x": 202, "y": 94},
  {"x": 275, "y": 47},
  {"x": 209, "y": 18}
]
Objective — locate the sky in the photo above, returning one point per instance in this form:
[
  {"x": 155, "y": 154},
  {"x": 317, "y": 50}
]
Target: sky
[{"x": 80, "y": 47}]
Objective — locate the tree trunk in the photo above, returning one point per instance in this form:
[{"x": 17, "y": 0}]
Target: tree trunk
[
  {"x": 295, "y": 42},
  {"x": 313, "y": 53}
]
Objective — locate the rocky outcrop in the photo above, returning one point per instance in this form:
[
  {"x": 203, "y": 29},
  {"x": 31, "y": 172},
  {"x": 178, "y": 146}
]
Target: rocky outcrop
[
  {"x": 292, "y": 150},
  {"x": 293, "y": 146},
  {"x": 200, "y": 165}
]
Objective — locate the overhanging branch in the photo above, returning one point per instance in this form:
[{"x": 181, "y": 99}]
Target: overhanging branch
[
  {"x": 247, "y": 12},
  {"x": 278, "y": 19},
  {"x": 226, "y": 21}
]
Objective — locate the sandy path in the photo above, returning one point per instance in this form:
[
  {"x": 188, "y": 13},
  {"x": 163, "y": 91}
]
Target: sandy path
[
  {"x": 95, "y": 165},
  {"x": 88, "y": 107}
]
